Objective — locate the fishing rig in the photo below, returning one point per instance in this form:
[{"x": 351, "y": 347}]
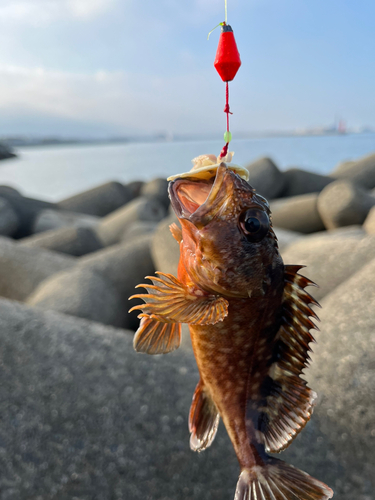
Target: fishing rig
[{"x": 227, "y": 63}]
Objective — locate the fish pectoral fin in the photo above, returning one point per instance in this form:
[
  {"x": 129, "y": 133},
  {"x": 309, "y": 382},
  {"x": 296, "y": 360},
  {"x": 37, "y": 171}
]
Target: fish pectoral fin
[
  {"x": 203, "y": 419},
  {"x": 169, "y": 301},
  {"x": 156, "y": 337},
  {"x": 176, "y": 232},
  {"x": 276, "y": 480},
  {"x": 289, "y": 397}
]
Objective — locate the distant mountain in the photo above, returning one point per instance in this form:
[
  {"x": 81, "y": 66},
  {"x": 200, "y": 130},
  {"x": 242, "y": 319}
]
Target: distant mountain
[{"x": 16, "y": 123}]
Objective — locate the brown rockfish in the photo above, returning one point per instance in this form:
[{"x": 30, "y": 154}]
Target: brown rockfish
[{"x": 249, "y": 318}]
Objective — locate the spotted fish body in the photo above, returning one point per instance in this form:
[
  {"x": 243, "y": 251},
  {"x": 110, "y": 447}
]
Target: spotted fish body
[{"x": 249, "y": 320}]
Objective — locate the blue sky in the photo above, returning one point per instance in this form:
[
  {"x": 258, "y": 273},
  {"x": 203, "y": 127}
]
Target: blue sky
[{"x": 100, "y": 67}]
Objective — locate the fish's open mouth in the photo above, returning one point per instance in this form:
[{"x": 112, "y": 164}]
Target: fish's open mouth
[
  {"x": 197, "y": 199},
  {"x": 187, "y": 195}
]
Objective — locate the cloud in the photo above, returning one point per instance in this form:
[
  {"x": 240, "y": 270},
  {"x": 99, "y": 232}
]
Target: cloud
[
  {"x": 88, "y": 8},
  {"x": 123, "y": 101},
  {"x": 37, "y": 12}
]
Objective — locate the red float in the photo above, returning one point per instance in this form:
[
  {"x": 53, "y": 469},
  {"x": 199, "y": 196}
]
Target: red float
[{"x": 227, "y": 60}]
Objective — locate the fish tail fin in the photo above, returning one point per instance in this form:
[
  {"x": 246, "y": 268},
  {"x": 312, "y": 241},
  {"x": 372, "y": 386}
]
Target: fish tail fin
[{"x": 277, "y": 480}]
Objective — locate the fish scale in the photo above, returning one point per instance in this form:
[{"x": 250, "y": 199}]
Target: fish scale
[{"x": 230, "y": 389}]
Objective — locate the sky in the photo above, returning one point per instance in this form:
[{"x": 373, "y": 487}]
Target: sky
[{"x": 95, "y": 68}]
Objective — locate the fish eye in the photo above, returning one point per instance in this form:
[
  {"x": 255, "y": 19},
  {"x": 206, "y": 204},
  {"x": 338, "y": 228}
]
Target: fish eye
[{"x": 254, "y": 224}]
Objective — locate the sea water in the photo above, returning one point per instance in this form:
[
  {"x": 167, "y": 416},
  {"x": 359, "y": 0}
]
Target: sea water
[{"x": 56, "y": 172}]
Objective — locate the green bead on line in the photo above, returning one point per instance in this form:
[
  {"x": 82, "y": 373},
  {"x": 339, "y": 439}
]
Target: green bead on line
[{"x": 227, "y": 136}]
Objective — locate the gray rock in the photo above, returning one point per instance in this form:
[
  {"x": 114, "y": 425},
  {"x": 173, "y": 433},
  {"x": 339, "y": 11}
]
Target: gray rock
[
  {"x": 9, "y": 221},
  {"x": 330, "y": 261},
  {"x": 135, "y": 187},
  {"x": 57, "y": 219},
  {"x": 23, "y": 268},
  {"x": 165, "y": 249},
  {"x": 9, "y": 189},
  {"x": 100, "y": 200},
  {"x": 342, "y": 203},
  {"x": 343, "y": 374},
  {"x": 75, "y": 241},
  {"x": 125, "y": 266},
  {"x": 344, "y": 165},
  {"x": 369, "y": 224},
  {"x": 140, "y": 228},
  {"x": 266, "y": 178},
  {"x": 299, "y": 181},
  {"x": 27, "y": 209},
  {"x": 298, "y": 213},
  {"x": 360, "y": 172},
  {"x": 286, "y": 237},
  {"x": 356, "y": 231},
  {"x": 112, "y": 227},
  {"x": 157, "y": 188},
  {"x": 84, "y": 416},
  {"x": 83, "y": 293},
  {"x": 6, "y": 152}
]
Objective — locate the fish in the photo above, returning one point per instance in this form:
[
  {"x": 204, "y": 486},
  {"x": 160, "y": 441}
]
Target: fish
[{"x": 250, "y": 320}]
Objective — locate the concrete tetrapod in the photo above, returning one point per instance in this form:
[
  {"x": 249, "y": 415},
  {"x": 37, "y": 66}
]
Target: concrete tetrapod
[
  {"x": 330, "y": 261},
  {"x": 342, "y": 372},
  {"x": 297, "y": 213},
  {"x": 69, "y": 240},
  {"x": 266, "y": 178},
  {"x": 9, "y": 221},
  {"x": 298, "y": 181},
  {"x": 100, "y": 200},
  {"x": 342, "y": 203},
  {"x": 83, "y": 293},
  {"x": 125, "y": 266},
  {"x": 84, "y": 416},
  {"x": 361, "y": 172},
  {"x": 57, "y": 219},
  {"x": 23, "y": 268},
  {"x": 112, "y": 227}
]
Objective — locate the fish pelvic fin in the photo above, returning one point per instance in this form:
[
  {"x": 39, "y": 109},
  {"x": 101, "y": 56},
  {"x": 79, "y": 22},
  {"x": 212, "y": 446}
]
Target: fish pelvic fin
[
  {"x": 203, "y": 419},
  {"x": 156, "y": 337},
  {"x": 176, "y": 232},
  {"x": 290, "y": 401},
  {"x": 277, "y": 480},
  {"x": 168, "y": 301}
]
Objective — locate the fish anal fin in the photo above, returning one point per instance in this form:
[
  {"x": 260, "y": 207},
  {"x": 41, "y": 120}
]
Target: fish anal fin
[
  {"x": 176, "y": 232},
  {"x": 277, "y": 480},
  {"x": 203, "y": 419},
  {"x": 169, "y": 301},
  {"x": 156, "y": 337},
  {"x": 289, "y": 403}
]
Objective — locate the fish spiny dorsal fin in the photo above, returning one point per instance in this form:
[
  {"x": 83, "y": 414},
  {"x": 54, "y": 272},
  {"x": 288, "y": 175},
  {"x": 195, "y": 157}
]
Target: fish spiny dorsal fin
[
  {"x": 203, "y": 419},
  {"x": 156, "y": 337},
  {"x": 290, "y": 401},
  {"x": 168, "y": 301},
  {"x": 176, "y": 232}
]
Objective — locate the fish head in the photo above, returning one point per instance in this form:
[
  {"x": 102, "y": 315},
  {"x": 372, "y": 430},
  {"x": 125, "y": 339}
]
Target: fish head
[{"x": 228, "y": 245}]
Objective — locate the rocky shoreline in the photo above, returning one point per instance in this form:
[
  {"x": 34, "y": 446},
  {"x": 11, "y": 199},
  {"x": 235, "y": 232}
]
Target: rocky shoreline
[
  {"x": 6, "y": 152},
  {"x": 85, "y": 417}
]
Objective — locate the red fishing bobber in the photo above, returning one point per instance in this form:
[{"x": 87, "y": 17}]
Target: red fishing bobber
[{"x": 227, "y": 60}]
